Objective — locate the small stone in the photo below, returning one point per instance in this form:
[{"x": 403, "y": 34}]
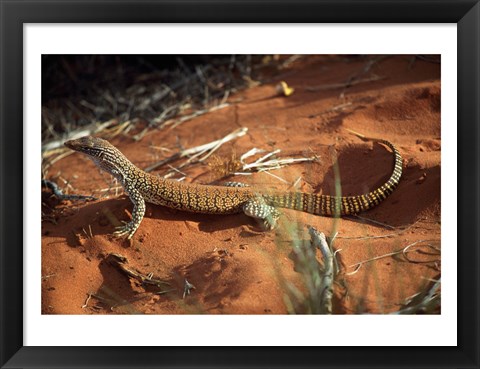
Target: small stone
[
  {"x": 284, "y": 89},
  {"x": 422, "y": 178}
]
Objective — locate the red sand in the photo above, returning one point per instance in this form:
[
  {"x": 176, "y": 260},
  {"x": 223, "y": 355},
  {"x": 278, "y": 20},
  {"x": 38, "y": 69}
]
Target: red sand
[{"x": 235, "y": 267}]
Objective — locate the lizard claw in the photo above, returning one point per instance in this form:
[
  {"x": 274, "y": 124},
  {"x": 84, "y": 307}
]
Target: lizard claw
[
  {"x": 124, "y": 230},
  {"x": 270, "y": 222}
]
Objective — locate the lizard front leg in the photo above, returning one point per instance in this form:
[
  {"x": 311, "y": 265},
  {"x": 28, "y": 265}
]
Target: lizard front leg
[{"x": 128, "y": 229}]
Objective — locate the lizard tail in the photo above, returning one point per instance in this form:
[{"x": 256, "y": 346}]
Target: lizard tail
[{"x": 345, "y": 205}]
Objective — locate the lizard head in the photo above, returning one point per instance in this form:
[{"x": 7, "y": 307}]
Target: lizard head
[
  {"x": 92, "y": 146},
  {"x": 102, "y": 152}
]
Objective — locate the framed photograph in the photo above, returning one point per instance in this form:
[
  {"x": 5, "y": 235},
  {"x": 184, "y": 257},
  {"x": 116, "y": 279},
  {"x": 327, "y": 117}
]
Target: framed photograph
[{"x": 226, "y": 184}]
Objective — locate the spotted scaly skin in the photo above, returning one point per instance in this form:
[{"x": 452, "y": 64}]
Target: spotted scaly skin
[{"x": 232, "y": 198}]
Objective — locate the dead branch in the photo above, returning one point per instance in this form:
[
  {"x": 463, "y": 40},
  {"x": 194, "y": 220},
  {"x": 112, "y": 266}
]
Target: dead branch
[{"x": 326, "y": 284}]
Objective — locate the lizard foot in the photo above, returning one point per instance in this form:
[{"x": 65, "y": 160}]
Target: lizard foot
[
  {"x": 128, "y": 229},
  {"x": 265, "y": 214}
]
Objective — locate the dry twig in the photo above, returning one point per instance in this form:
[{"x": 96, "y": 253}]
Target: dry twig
[
  {"x": 326, "y": 284},
  {"x": 120, "y": 262},
  {"x": 194, "y": 152},
  {"x": 60, "y": 195}
]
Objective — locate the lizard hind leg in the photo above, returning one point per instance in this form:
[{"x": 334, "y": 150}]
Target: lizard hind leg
[
  {"x": 235, "y": 184},
  {"x": 265, "y": 214}
]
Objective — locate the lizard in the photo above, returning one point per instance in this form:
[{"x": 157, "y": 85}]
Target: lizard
[{"x": 231, "y": 198}]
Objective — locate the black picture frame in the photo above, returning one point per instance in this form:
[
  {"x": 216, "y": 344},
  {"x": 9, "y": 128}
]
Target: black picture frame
[{"x": 465, "y": 13}]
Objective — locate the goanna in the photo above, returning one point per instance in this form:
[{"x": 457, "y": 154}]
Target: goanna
[{"x": 260, "y": 204}]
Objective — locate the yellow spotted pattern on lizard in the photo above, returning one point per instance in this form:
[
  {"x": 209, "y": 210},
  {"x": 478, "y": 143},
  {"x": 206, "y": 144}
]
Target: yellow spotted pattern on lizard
[{"x": 232, "y": 198}]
